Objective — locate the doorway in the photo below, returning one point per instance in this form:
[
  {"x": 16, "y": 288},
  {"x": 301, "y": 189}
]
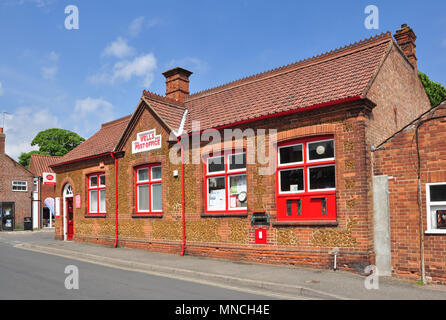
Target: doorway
[
  {"x": 68, "y": 214},
  {"x": 70, "y": 219}
]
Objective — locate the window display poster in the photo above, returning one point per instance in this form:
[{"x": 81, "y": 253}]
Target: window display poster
[
  {"x": 217, "y": 199},
  {"x": 233, "y": 201}
]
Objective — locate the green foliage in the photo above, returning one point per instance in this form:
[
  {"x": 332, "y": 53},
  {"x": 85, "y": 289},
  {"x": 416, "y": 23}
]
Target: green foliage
[
  {"x": 57, "y": 142},
  {"x": 53, "y": 142},
  {"x": 435, "y": 91},
  {"x": 25, "y": 157}
]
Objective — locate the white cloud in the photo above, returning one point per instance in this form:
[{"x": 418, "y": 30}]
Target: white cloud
[
  {"x": 49, "y": 73},
  {"x": 1, "y": 89},
  {"x": 136, "y": 26},
  {"x": 190, "y": 63},
  {"x": 51, "y": 68},
  {"x": 37, "y": 3},
  {"x": 89, "y": 113},
  {"x": 141, "y": 67},
  {"x": 23, "y": 125},
  {"x": 119, "y": 49}
]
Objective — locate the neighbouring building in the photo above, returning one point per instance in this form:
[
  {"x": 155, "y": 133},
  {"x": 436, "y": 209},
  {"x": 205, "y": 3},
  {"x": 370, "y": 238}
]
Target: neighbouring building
[
  {"x": 16, "y": 184},
  {"x": 44, "y": 188},
  {"x": 411, "y": 168},
  {"x": 149, "y": 181}
]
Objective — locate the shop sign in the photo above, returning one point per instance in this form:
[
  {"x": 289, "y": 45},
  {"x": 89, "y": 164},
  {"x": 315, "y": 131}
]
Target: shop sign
[
  {"x": 49, "y": 178},
  {"x": 146, "y": 141}
]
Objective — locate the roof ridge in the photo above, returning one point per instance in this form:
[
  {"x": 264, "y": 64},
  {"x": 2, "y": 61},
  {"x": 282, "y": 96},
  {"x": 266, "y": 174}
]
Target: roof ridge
[
  {"x": 116, "y": 121},
  {"x": 377, "y": 38},
  {"x": 160, "y": 98},
  {"x": 44, "y": 155}
]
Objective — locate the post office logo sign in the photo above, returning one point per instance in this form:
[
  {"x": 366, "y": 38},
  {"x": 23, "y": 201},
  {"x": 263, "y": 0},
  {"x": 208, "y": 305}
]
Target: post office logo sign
[{"x": 146, "y": 141}]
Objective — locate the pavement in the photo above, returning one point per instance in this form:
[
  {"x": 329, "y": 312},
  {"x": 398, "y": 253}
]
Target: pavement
[{"x": 281, "y": 282}]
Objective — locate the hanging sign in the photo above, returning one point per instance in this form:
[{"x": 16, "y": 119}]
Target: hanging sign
[
  {"x": 49, "y": 178},
  {"x": 146, "y": 141}
]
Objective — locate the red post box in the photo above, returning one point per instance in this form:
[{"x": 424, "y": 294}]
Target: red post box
[{"x": 260, "y": 235}]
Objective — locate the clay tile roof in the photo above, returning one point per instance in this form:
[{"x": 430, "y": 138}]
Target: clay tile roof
[
  {"x": 339, "y": 74},
  {"x": 101, "y": 142},
  {"x": 170, "y": 111},
  {"x": 41, "y": 163}
]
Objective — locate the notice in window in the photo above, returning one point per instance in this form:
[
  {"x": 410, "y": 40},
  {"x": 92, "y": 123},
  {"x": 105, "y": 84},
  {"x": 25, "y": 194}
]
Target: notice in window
[{"x": 217, "y": 199}]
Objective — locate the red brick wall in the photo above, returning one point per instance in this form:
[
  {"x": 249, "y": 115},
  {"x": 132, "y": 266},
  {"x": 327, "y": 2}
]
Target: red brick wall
[
  {"x": 398, "y": 160},
  {"x": 399, "y": 96},
  {"x": 9, "y": 171}
]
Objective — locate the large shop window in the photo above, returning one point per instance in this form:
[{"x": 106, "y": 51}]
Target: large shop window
[
  {"x": 225, "y": 183},
  {"x": 96, "y": 193},
  {"x": 436, "y": 207},
  {"x": 306, "y": 180},
  {"x": 148, "y": 189}
]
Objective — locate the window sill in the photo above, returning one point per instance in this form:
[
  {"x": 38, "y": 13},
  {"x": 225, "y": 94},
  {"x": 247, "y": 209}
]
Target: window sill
[
  {"x": 102, "y": 215},
  {"x": 305, "y": 223},
  {"x": 436, "y": 231},
  {"x": 147, "y": 215},
  {"x": 225, "y": 215}
]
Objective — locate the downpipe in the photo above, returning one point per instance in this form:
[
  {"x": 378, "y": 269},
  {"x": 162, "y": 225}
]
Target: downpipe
[
  {"x": 113, "y": 155},
  {"x": 183, "y": 202}
]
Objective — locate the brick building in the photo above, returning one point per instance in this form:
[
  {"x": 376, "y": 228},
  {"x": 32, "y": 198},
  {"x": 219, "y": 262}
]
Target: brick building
[
  {"x": 16, "y": 184},
  {"x": 148, "y": 181},
  {"x": 413, "y": 164},
  {"x": 44, "y": 190}
]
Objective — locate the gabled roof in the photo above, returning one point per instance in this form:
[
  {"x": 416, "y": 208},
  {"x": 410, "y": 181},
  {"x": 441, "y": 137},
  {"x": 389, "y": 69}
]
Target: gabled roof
[
  {"x": 339, "y": 74},
  {"x": 41, "y": 163},
  {"x": 102, "y": 142},
  {"x": 343, "y": 74}
]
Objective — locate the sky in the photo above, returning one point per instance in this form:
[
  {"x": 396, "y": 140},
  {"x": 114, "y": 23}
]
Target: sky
[{"x": 76, "y": 79}]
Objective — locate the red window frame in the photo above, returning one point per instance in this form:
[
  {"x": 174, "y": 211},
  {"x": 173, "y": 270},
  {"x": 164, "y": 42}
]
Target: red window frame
[
  {"x": 149, "y": 182},
  {"x": 97, "y": 188},
  {"x": 306, "y": 205},
  {"x": 226, "y": 174}
]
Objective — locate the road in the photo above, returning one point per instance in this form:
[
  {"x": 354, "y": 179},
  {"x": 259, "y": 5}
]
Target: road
[{"x": 32, "y": 275}]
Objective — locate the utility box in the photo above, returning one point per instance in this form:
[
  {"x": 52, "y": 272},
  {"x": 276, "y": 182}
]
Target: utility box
[{"x": 260, "y": 236}]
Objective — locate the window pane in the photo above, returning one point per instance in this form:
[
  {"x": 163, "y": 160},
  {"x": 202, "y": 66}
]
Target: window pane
[
  {"x": 216, "y": 164},
  {"x": 94, "y": 181},
  {"x": 216, "y": 196},
  {"x": 237, "y": 161},
  {"x": 321, "y": 150},
  {"x": 143, "y": 174},
  {"x": 143, "y": 197},
  {"x": 156, "y": 173},
  {"x": 291, "y": 154},
  {"x": 102, "y": 200},
  {"x": 102, "y": 180},
  {"x": 157, "y": 197},
  {"x": 237, "y": 186},
  {"x": 438, "y": 192},
  {"x": 94, "y": 201},
  {"x": 322, "y": 178},
  {"x": 292, "y": 180}
]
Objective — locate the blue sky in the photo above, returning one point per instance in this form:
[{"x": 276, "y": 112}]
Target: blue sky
[{"x": 77, "y": 79}]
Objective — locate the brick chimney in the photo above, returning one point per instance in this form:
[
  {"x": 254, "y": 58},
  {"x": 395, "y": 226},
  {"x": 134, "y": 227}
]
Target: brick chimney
[
  {"x": 2, "y": 141},
  {"x": 177, "y": 83},
  {"x": 405, "y": 37}
]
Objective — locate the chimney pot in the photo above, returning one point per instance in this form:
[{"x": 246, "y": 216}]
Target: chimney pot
[
  {"x": 405, "y": 37},
  {"x": 177, "y": 83}
]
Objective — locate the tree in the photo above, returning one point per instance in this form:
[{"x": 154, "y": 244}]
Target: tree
[
  {"x": 53, "y": 142},
  {"x": 435, "y": 91}
]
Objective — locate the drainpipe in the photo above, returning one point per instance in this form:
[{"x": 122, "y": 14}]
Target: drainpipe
[
  {"x": 113, "y": 154},
  {"x": 183, "y": 202}
]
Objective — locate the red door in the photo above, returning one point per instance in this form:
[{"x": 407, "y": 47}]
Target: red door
[{"x": 69, "y": 218}]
